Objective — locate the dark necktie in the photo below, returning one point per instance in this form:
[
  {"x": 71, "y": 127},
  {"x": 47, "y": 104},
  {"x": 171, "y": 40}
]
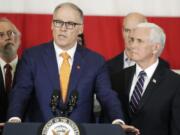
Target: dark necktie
[
  {"x": 137, "y": 93},
  {"x": 8, "y": 77}
]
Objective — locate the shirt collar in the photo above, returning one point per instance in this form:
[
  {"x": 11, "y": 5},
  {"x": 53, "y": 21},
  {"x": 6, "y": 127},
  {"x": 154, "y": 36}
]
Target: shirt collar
[
  {"x": 149, "y": 71},
  {"x": 71, "y": 51},
  {"x": 125, "y": 57},
  {"x": 13, "y": 63}
]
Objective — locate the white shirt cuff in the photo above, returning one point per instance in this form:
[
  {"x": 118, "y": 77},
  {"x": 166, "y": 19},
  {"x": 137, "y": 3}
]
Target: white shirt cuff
[
  {"x": 118, "y": 121},
  {"x": 14, "y": 120}
]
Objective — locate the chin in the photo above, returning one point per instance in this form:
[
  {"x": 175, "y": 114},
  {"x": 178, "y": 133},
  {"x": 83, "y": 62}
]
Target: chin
[{"x": 61, "y": 44}]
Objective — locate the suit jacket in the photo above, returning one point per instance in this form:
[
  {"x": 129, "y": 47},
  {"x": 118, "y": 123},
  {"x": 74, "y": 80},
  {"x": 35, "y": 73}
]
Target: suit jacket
[
  {"x": 37, "y": 77},
  {"x": 116, "y": 64},
  {"x": 3, "y": 99},
  {"x": 160, "y": 104}
]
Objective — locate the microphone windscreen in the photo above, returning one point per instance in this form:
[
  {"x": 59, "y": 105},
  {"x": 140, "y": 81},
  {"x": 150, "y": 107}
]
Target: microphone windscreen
[
  {"x": 75, "y": 94},
  {"x": 55, "y": 93},
  {"x": 54, "y": 101}
]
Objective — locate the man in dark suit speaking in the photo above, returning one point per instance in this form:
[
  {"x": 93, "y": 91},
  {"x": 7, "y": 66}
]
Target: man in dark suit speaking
[
  {"x": 62, "y": 67},
  {"x": 149, "y": 91}
]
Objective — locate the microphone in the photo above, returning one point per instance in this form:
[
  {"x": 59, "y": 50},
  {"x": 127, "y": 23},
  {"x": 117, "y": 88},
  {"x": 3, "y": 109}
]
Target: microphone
[
  {"x": 63, "y": 110},
  {"x": 73, "y": 101},
  {"x": 54, "y": 101},
  {"x": 71, "y": 104}
]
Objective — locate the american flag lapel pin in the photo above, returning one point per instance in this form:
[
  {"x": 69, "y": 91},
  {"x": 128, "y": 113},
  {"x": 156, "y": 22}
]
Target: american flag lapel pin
[
  {"x": 154, "y": 80},
  {"x": 78, "y": 67}
]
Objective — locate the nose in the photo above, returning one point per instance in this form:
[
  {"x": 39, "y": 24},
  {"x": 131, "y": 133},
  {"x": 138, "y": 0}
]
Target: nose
[
  {"x": 63, "y": 27},
  {"x": 132, "y": 44},
  {"x": 7, "y": 37},
  {"x": 130, "y": 41}
]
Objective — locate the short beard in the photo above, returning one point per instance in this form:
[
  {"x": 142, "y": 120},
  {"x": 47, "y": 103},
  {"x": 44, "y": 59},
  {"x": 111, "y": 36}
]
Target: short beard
[{"x": 8, "y": 50}]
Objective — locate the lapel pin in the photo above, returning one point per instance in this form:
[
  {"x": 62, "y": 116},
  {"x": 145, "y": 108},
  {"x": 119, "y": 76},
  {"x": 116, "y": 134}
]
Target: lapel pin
[
  {"x": 78, "y": 67},
  {"x": 154, "y": 80}
]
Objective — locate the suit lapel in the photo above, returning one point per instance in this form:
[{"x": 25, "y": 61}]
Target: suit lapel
[
  {"x": 50, "y": 61},
  {"x": 76, "y": 70},
  {"x": 1, "y": 79},
  {"x": 129, "y": 77},
  {"x": 2, "y": 89},
  {"x": 121, "y": 61},
  {"x": 14, "y": 79},
  {"x": 129, "y": 74}
]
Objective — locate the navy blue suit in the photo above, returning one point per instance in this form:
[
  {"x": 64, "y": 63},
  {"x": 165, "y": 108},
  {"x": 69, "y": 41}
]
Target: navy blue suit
[{"x": 37, "y": 76}]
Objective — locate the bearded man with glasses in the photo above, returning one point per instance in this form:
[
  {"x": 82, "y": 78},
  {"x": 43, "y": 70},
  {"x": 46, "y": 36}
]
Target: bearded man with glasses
[{"x": 9, "y": 43}]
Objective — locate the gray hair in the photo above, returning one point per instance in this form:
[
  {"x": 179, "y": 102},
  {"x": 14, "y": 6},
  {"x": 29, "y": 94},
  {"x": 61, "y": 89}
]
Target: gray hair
[
  {"x": 157, "y": 34},
  {"x": 73, "y": 6}
]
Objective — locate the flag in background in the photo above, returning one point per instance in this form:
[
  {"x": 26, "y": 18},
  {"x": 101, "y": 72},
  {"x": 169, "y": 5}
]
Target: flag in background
[{"x": 102, "y": 22}]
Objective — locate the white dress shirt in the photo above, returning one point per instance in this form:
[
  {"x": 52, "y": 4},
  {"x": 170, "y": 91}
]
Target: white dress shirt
[
  {"x": 70, "y": 52},
  {"x": 13, "y": 65},
  {"x": 149, "y": 72},
  {"x": 127, "y": 61}
]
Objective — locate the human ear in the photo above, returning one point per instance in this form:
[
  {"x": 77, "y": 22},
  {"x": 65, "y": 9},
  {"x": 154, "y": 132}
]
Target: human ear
[{"x": 156, "y": 48}]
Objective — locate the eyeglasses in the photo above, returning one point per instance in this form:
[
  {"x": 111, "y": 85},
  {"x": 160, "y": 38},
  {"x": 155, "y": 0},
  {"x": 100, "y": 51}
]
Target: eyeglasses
[
  {"x": 8, "y": 33},
  {"x": 68, "y": 25},
  {"x": 127, "y": 30}
]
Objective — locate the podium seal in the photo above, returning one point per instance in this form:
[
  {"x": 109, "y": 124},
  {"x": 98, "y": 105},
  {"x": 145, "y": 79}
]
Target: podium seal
[{"x": 60, "y": 126}]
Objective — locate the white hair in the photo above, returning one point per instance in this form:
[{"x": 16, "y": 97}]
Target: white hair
[{"x": 157, "y": 34}]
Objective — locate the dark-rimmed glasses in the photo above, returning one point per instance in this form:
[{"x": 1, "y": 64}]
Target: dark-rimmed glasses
[{"x": 68, "y": 25}]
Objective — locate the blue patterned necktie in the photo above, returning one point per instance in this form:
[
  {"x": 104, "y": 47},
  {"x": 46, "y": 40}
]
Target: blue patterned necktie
[{"x": 137, "y": 93}]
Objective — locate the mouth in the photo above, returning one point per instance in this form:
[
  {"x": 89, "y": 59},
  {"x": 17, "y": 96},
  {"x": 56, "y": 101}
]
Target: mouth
[
  {"x": 62, "y": 36},
  {"x": 8, "y": 45}
]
